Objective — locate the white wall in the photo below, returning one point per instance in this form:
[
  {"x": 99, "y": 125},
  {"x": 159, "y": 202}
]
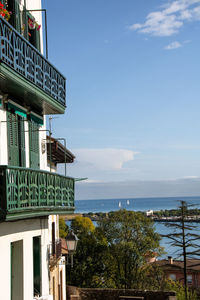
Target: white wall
[
  {"x": 24, "y": 230},
  {"x": 43, "y": 147},
  {"x": 62, "y": 267},
  {"x": 54, "y": 218}
]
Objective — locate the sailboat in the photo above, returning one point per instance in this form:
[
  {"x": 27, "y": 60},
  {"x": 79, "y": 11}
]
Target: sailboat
[
  {"x": 120, "y": 204},
  {"x": 127, "y": 202}
]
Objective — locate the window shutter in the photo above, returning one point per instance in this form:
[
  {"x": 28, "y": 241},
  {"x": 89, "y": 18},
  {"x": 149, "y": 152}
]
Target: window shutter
[
  {"x": 34, "y": 152},
  {"x": 17, "y": 19},
  {"x": 25, "y": 23},
  {"x": 13, "y": 146},
  {"x": 37, "y": 39},
  {"x": 21, "y": 135}
]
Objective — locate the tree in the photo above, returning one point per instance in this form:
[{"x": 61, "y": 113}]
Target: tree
[
  {"x": 63, "y": 228},
  {"x": 130, "y": 237},
  {"x": 183, "y": 238},
  {"x": 82, "y": 224},
  {"x": 180, "y": 290},
  {"x": 89, "y": 256}
]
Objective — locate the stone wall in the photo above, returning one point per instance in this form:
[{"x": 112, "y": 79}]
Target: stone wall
[{"x": 113, "y": 294}]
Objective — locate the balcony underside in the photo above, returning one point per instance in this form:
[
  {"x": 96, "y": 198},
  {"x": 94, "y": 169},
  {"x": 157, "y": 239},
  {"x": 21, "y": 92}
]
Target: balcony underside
[
  {"x": 35, "y": 212},
  {"x": 27, "y": 193},
  {"x": 26, "y": 93}
]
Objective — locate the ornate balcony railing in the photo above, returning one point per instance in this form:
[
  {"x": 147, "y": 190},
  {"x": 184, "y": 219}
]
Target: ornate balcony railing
[
  {"x": 27, "y": 193},
  {"x": 17, "y": 53}
]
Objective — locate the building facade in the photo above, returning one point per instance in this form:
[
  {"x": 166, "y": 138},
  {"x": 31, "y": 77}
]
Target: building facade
[
  {"x": 174, "y": 270},
  {"x": 31, "y": 196}
]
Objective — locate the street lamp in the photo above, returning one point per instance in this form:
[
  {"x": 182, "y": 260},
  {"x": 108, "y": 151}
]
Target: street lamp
[{"x": 72, "y": 241}]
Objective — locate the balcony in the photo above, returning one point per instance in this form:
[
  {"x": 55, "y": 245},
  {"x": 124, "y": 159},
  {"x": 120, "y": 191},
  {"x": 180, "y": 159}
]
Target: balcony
[
  {"x": 28, "y": 193},
  {"x": 27, "y": 76}
]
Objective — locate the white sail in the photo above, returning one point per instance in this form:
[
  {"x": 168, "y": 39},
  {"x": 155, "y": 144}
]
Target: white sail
[
  {"x": 120, "y": 205},
  {"x": 127, "y": 202}
]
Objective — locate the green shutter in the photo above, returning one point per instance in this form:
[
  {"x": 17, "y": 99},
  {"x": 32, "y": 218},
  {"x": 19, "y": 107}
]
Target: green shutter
[
  {"x": 15, "y": 18},
  {"x": 34, "y": 152},
  {"x": 25, "y": 23},
  {"x": 37, "y": 39},
  {"x": 17, "y": 21},
  {"x": 16, "y": 140},
  {"x": 22, "y": 148},
  {"x": 13, "y": 144}
]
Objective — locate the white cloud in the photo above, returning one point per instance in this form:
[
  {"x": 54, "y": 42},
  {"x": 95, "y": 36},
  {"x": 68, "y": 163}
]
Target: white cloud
[
  {"x": 191, "y": 177},
  {"x": 189, "y": 186},
  {"x": 104, "y": 159},
  {"x": 170, "y": 18},
  {"x": 173, "y": 45}
]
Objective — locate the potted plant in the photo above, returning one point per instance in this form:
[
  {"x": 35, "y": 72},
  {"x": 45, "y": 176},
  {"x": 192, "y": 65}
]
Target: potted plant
[
  {"x": 4, "y": 13},
  {"x": 32, "y": 24}
]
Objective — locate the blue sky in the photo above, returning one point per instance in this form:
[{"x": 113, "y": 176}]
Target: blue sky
[{"x": 132, "y": 69}]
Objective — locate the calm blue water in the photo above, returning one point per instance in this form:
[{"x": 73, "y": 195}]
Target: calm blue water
[
  {"x": 136, "y": 204},
  {"x": 140, "y": 204}
]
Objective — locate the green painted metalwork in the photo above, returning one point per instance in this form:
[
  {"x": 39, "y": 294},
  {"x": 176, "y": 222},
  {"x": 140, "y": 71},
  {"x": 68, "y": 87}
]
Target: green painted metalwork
[
  {"x": 27, "y": 193},
  {"x": 17, "y": 53}
]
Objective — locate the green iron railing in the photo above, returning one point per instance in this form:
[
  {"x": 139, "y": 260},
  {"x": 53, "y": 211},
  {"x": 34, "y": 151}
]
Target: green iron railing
[
  {"x": 17, "y": 53},
  {"x": 28, "y": 193}
]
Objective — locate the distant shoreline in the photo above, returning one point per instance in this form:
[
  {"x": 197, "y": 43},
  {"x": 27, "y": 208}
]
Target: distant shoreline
[{"x": 163, "y": 216}]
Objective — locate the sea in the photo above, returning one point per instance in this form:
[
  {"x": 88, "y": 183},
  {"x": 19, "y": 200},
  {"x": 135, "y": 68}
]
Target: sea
[{"x": 143, "y": 204}]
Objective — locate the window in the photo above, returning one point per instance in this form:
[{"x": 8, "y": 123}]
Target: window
[
  {"x": 53, "y": 238},
  {"x": 17, "y": 276},
  {"x": 37, "y": 265},
  {"x": 15, "y": 18},
  {"x": 172, "y": 277},
  {"x": 33, "y": 34},
  {"x": 189, "y": 279}
]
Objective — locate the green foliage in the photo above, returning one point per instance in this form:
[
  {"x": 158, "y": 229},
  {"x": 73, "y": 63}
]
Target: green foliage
[
  {"x": 185, "y": 239},
  {"x": 113, "y": 254},
  {"x": 88, "y": 259},
  {"x": 130, "y": 237},
  {"x": 180, "y": 290},
  {"x": 82, "y": 225},
  {"x": 176, "y": 212},
  {"x": 63, "y": 228}
]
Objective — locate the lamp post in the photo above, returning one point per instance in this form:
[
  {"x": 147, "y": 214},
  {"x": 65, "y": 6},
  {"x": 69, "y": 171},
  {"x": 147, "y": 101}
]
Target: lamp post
[{"x": 72, "y": 242}]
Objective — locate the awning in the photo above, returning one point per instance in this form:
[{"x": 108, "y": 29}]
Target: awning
[
  {"x": 59, "y": 154},
  {"x": 36, "y": 118},
  {"x": 12, "y": 106}
]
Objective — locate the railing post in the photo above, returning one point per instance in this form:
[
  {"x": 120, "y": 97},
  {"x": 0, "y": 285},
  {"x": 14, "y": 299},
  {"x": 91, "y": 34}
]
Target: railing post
[
  {"x": 29, "y": 188},
  {"x": 38, "y": 184},
  {"x": 47, "y": 190},
  {"x": 4, "y": 194},
  {"x": 55, "y": 191},
  {"x": 18, "y": 193}
]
